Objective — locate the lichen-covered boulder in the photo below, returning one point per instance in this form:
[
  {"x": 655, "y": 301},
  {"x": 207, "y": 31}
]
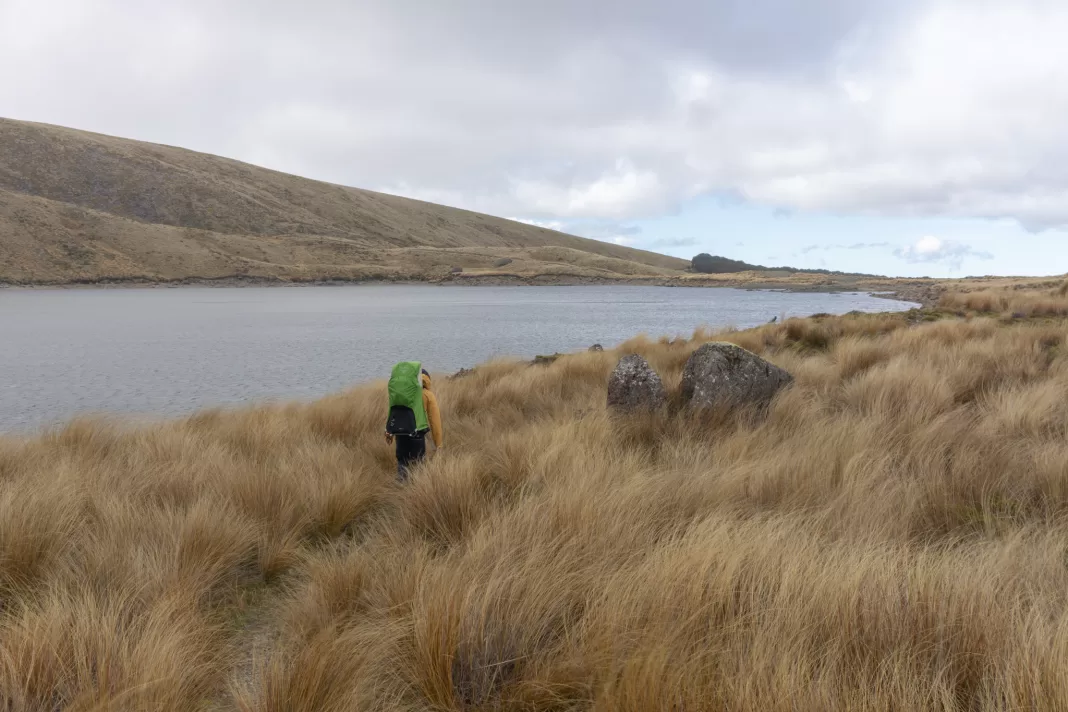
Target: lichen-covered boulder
[
  {"x": 725, "y": 374},
  {"x": 634, "y": 385}
]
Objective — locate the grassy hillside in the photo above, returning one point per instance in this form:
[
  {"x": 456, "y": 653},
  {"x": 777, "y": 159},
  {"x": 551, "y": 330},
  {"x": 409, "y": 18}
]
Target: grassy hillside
[
  {"x": 891, "y": 536},
  {"x": 82, "y": 206}
]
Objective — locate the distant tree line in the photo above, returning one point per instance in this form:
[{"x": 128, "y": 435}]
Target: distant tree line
[
  {"x": 714, "y": 264},
  {"x": 705, "y": 263}
]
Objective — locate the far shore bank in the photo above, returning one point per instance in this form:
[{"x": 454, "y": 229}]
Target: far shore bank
[{"x": 923, "y": 292}]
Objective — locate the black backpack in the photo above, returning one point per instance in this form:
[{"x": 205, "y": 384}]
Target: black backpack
[{"x": 401, "y": 421}]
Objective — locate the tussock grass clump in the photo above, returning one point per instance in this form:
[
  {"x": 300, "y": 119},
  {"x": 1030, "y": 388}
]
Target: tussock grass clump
[
  {"x": 1011, "y": 301},
  {"x": 890, "y": 535}
]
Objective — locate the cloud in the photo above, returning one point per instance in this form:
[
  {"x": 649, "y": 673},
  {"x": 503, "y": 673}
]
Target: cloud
[
  {"x": 935, "y": 250},
  {"x": 670, "y": 242},
  {"x": 620, "y": 192},
  {"x": 603, "y": 110},
  {"x": 853, "y": 246}
]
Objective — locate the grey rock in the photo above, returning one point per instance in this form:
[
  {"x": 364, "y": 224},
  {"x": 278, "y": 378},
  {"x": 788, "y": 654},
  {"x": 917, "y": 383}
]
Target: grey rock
[
  {"x": 503, "y": 262},
  {"x": 634, "y": 385},
  {"x": 596, "y": 348},
  {"x": 725, "y": 374},
  {"x": 545, "y": 360},
  {"x": 456, "y": 270}
]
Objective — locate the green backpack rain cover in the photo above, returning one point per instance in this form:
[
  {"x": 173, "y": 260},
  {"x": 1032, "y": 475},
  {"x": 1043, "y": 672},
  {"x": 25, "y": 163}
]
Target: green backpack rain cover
[{"x": 406, "y": 392}]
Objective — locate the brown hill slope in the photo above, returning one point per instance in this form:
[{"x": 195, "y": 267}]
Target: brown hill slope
[{"x": 77, "y": 206}]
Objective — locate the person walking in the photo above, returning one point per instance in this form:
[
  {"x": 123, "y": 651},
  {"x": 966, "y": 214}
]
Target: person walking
[{"x": 413, "y": 412}]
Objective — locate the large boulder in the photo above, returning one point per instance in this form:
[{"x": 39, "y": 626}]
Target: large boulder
[
  {"x": 634, "y": 385},
  {"x": 725, "y": 374}
]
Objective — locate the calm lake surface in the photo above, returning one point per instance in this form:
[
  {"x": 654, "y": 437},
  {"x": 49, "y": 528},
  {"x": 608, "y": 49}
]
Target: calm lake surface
[{"x": 172, "y": 351}]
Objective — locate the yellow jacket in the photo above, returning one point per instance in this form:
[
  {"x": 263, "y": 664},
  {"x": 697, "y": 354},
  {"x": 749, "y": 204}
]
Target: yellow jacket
[{"x": 430, "y": 403}]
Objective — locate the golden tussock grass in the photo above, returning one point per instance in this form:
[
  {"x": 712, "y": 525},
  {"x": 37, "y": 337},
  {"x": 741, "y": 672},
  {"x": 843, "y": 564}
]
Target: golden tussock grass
[
  {"x": 890, "y": 536},
  {"x": 1016, "y": 299}
]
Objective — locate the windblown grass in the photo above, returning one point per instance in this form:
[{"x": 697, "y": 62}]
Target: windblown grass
[
  {"x": 1014, "y": 300},
  {"x": 891, "y": 536}
]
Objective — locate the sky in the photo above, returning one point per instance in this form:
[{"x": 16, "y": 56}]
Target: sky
[{"x": 901, "y": 137}]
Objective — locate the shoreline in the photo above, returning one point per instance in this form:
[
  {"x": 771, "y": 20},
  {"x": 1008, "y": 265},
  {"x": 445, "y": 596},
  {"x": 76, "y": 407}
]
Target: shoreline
[{"x": 925, "y": 294}]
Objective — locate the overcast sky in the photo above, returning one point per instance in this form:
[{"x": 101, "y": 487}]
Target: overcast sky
[{"x": 896, "y": 136}]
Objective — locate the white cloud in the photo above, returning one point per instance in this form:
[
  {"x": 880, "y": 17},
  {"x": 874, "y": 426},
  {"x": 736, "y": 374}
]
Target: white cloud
[
  {"x": 926, "y": 248},
  {"x": 931, "y": 249},
  {"x": 557, "y": 225},
  {"x": 619, "y": 192},
  {"x": 960, "y": 116}
]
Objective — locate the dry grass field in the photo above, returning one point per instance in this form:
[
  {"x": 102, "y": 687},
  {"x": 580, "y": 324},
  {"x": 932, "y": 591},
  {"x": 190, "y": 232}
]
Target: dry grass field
[{"x": 893, "y": 535}]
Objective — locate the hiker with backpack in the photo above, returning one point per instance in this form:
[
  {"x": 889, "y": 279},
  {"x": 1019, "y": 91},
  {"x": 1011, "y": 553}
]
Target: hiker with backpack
[{"x": 413, "y": 411}]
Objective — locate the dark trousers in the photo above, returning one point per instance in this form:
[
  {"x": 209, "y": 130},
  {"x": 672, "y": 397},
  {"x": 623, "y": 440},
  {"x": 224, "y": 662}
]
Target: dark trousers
[{"x": 410, "y": 450}]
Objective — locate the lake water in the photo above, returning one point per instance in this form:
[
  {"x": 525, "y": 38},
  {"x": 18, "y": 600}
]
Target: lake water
[{"x": 171, "y": 351}]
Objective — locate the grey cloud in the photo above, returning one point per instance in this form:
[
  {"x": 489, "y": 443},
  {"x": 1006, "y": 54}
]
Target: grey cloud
[
  {"x": 749, "y": 35},
  {"x": 601, "y": 110}
]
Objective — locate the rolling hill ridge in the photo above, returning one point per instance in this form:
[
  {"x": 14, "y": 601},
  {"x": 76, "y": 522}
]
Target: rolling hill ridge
[{"x": 83, "y": 207}]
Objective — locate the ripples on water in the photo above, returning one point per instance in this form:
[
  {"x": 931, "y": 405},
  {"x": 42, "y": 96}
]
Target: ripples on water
[{"x": 171, "y": 351}]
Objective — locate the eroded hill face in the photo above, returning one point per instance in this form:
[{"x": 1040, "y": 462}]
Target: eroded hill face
[{"x": 81, "y": 206}]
